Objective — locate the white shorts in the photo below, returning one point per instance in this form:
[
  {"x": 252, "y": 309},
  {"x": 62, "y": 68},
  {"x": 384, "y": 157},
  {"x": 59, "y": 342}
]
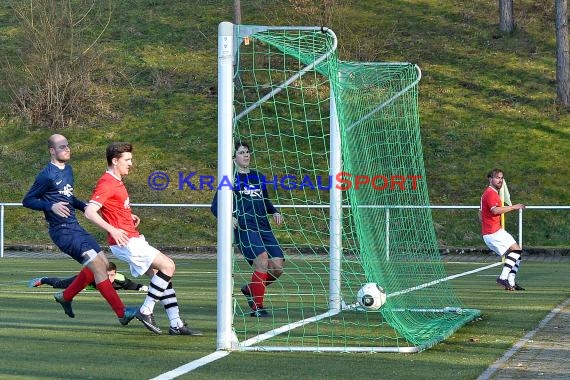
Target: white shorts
[
  {"x": 499, "y": 242},
  {"x": 137, "y": 253}
]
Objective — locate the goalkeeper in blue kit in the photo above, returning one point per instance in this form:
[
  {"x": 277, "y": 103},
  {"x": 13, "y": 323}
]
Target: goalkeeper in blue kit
[{"x": 252, "y": 230}]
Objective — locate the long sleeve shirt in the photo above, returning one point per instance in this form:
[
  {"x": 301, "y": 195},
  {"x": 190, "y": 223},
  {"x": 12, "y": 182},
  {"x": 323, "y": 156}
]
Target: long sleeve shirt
[{"x": 53, "y": 185}]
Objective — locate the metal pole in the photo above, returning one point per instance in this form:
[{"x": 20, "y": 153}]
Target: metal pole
[
  {"x": 225, "y": 172},
  {"x": 335, "y": 210}
]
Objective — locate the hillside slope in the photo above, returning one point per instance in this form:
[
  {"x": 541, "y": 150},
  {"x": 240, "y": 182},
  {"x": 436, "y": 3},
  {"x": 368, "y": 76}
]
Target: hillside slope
[{"x": 486, "y": 100}]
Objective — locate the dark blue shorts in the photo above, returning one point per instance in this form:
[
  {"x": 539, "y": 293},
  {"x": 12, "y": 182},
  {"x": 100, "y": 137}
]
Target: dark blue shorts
[
  {"x": 253, "y": 243},
  {"x": 74, "y": 241}
]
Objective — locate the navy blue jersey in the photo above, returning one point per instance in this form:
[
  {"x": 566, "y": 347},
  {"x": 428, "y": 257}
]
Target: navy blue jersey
[
  {"x": 251, "y": 202},
  {"x": 54, "y": 185}
]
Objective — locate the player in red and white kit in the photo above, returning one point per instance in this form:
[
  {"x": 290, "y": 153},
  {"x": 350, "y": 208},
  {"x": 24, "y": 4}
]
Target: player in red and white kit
[
  {"x": 110, "y": 209},
  {"x": 497, "y": 239}
]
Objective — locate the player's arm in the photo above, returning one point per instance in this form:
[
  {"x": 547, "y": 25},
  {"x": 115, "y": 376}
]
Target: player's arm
[
  {"x": 504, "y": 209},
  {"x": 128, "y": 284},
  {"x": 92, "y": 214},
  {"x": 214, "y": 210},
  {"x": 78, "y": 204},
  {"x": 214, "y": 205},
  {"x": 122, "y": 282},
  {"x": 136, "y": 220},
  {"x": 34, "y": 198},
  {"x": 271, "y": 209}
]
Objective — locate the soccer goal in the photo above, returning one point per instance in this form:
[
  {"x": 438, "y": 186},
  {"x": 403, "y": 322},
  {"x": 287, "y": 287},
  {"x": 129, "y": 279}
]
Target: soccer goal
[{"x": 339, "y": 145}]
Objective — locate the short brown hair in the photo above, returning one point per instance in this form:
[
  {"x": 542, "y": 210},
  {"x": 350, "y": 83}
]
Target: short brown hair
[
  {"x": 111, "y": 266},
  {"x": 114, "y": 150},
  {"x": 238, "y": 144}
]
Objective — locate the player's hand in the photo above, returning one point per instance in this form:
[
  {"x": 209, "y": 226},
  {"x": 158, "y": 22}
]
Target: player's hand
[
  {"x": 61, "y": 209},
  {"x": 278, "y": 218},
  {"x": 136, "y": 220},
  {"x": 120, "y": 236},
  {"x": 234, "y": 222},
  {"x": 519, "y": 206},
  {"x": 143, "y": 288}
]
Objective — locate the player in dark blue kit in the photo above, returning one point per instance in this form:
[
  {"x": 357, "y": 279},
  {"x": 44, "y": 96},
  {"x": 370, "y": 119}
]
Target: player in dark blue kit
[
  {"x": 52, "y": 193},
  {"x": 252, "y": 229}
]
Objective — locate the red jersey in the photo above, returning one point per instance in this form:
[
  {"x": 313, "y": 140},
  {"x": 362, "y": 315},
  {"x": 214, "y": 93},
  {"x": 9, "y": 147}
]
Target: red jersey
[
  {"x": 490, "y": 223},
  {"x": 112, "y": 196}
]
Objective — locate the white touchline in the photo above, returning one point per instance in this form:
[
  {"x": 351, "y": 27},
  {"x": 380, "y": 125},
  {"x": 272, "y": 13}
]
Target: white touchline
[
  {"x": 221, "y": 354},
  {"x": 192, "y": 365},
  {"x": 518, "y": 345},
  {"x": 443, "y": 279}
]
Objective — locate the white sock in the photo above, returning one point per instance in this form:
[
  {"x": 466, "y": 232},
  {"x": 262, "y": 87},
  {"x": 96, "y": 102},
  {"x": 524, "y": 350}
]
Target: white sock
[
  {"x": 158, "y": 284},
  {"x": 170, "y": 303}
]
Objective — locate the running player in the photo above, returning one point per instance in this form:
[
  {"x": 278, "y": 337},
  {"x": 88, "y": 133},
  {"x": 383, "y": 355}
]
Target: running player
[
  {"x": 110, "y": 209},
  {"x": 52, "y": 193}
]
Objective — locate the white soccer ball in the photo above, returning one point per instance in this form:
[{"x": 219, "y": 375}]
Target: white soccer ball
[{"x": 371, "y": 296}]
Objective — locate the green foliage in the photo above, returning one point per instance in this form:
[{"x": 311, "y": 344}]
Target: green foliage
[
  {"x": 486, "y": 100},
  {"x": 50, "y": 75}
]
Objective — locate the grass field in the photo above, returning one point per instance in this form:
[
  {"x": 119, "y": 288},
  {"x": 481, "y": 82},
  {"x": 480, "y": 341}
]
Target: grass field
[{"x": 40, "y": 342}]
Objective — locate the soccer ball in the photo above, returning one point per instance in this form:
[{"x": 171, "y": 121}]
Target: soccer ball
[{"x": 371, "y": 296}]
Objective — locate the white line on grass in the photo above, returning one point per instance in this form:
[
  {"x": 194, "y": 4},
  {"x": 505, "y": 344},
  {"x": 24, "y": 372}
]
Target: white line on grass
[
  {"x": 221, "y": 354},
  {"x": 443, "y": 279},
  {"x": 518, "y": 345},
  {"x": 192, "y": 365}
]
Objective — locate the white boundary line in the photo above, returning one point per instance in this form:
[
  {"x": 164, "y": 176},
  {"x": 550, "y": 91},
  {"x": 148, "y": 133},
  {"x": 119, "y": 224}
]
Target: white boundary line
[
  {"x": 192, "y": 365},
  {"x": 443, "y": 279},
  {"x": 518, "y": 345},
  {"x": 221, "y": 354},
  {"x": 294, "y": 325}
]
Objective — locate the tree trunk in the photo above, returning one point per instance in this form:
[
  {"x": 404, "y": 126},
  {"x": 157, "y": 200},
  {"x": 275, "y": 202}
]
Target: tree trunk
[
  {"x": 506, "y": 16},
  {"x": 237, "y": 12},
  {"x": 562, "y": 53}
]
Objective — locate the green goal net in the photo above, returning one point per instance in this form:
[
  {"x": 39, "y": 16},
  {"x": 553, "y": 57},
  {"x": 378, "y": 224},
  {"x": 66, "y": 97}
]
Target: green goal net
[{"x": 338, "y": 144}]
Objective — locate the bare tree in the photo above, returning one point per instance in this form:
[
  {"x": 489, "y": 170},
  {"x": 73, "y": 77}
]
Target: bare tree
[
  {"x": 506, "y": 16},
  {"x": 52, "y": 81},
  {"x": 562, "y": 53},
  {"x": 237, "y": 12}
]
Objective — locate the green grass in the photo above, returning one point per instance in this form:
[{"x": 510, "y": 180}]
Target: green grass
[
  {"x": 486, "y": 99},
  {"x": 40, "y": 342}
]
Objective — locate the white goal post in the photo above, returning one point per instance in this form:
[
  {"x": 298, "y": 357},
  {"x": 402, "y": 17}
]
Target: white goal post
[
  {"x": 308, "y": 114},
  {"x": 228, "y": 41}
]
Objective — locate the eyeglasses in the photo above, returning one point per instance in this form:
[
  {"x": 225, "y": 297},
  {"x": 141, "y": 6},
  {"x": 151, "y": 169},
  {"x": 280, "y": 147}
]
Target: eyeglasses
[{"x": 62, "y": 147}]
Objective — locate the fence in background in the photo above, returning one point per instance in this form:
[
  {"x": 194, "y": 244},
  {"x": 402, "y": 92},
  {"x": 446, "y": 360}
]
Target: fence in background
[{"x": 387, "y": 209}]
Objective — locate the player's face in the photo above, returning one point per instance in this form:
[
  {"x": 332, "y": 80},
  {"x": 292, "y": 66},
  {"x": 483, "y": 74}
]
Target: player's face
[
  {"x": 60, "y": 150},
  {"x": 112, "y": 274},
  {"x": 497, "y": 181},
  {"x": 122, "y": 164},
  {"x": 242, "y": 157}
]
